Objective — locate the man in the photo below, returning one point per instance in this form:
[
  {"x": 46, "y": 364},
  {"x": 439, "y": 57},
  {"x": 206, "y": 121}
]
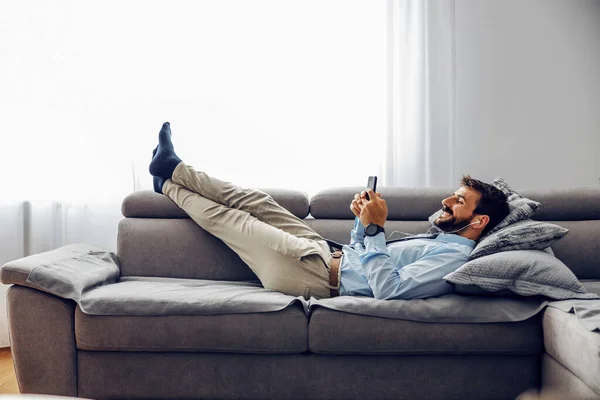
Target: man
[{"x": 288, "y": 256}]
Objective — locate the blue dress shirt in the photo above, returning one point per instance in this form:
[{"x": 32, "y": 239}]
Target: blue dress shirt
[{"x": 411, "y": 269}]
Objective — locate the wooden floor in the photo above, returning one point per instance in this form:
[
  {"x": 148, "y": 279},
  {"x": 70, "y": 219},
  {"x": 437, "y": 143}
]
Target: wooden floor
[{"x": 8, "y": 380}]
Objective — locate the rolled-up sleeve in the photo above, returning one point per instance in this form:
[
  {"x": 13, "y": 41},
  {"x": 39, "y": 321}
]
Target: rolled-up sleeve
[{"x": 357, "y": 234}]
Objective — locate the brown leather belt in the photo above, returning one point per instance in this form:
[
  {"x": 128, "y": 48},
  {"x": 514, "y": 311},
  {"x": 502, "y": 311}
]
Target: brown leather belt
[{"x": 334, "y": 273}]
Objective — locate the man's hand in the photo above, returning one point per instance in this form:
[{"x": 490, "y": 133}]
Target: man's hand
[
  {"x": 373, "y": 211},
  {"x": 357, "y": 204}
]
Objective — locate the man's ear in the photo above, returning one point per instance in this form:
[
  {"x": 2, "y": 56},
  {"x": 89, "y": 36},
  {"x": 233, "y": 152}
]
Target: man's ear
[{"x": 482, "y": 220}]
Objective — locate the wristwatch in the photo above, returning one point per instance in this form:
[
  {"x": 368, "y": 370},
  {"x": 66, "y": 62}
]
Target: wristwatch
[{"x": 373, "y": 229}]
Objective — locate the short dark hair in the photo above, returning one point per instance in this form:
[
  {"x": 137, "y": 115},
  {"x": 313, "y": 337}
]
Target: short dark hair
[{"x": 493, "y": 202}]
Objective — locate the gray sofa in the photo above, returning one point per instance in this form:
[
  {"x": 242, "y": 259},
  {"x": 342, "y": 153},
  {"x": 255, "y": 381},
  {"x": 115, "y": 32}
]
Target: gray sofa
[{"x": 285, "y": 354}]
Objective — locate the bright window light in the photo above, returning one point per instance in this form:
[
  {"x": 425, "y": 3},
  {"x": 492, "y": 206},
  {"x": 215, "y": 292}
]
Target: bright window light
[{"x": 287, "y": 94}]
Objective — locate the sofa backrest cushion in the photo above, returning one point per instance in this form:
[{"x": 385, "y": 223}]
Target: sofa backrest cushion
[
  {"x": 404, "y": 204},
  {"x": 148, "y": 204},
  {"x": 157, "y": 238},
  {"x": 176, "y": 248}
]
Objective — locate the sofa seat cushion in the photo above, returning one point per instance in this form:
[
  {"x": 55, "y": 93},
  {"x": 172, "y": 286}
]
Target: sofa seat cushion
[
  {"x": 276, "y": 332},
  {"x": 335, "y": 332},
  {"x": 575, "y": 347},
  {"x": 143, "y": 295}
]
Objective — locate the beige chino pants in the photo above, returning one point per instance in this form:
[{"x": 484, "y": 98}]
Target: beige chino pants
[{"x": 284, "y": 253}]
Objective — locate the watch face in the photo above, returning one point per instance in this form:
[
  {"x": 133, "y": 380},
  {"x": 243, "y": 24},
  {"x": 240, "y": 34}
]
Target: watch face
[{"x": 371, "y": 229}]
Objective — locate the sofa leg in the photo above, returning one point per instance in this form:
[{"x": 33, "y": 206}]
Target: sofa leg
[{"x": 42, "y": 336}]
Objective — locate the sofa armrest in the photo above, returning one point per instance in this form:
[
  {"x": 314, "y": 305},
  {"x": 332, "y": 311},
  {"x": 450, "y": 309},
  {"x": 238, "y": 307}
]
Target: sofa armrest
[
  {"x": 573, "y": 346},
  {"x": 65, "y": 272},
  {"x": 42, "y": 341}
]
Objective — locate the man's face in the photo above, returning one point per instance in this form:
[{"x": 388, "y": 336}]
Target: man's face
[{"x": 458, "y": 209}]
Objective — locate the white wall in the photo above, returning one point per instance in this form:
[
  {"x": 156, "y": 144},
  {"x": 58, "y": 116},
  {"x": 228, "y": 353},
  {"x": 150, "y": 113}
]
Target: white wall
[{"x": 528, "y": 91}]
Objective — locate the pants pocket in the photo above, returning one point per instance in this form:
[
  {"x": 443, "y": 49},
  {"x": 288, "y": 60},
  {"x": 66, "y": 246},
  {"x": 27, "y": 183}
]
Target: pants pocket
[{"x": 309, "y": 247}]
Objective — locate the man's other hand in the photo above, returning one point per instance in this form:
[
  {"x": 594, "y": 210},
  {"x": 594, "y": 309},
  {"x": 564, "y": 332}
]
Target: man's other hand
[
  {"x": 373, "y": 211},
  {"x": 357, "y": 203}
]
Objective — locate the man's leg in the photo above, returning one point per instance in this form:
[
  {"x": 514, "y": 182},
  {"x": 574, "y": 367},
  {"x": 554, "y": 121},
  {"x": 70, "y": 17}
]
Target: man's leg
[
  {"x": 279, "y": 231},
  {"x": 168, "y": 165},
  {"x": 281, "y": 260},
  {"x": 254, "y": 201}
]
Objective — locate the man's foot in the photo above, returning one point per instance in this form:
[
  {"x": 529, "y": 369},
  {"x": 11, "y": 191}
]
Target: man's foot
[
  {"x": 165, "y": 160},
  {"x": 158, "y": 184},
  {"x": 156, "y": 180}
]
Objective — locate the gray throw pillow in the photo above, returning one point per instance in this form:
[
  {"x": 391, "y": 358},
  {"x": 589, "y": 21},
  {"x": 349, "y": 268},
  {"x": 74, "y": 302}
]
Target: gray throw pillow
[
  {"x": 474, "y": 290},
  {"x": 523, "y": 272},
  {"x": 522, "y": 235},
  {"x": 520, "y": 207}
]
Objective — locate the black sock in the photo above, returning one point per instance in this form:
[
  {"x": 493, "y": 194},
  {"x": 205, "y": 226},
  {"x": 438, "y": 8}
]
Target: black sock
[
  {"x": 158, "y": 182},
  {"x": 165, "y": 160}
]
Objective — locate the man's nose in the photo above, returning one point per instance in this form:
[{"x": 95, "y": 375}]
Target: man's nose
[{"x": 446, "y": 202}]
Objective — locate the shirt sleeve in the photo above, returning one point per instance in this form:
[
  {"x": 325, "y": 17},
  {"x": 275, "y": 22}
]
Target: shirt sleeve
[
  {"x": 420, "y": 279},
  {"x": 357, "y": 234}
]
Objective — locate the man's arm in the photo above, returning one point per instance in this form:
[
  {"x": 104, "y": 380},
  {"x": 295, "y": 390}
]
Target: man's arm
[
  {"x": 376, "y": 212},
  {"x": 357, "y": 234},
  {"x": 423, "y": 278}
]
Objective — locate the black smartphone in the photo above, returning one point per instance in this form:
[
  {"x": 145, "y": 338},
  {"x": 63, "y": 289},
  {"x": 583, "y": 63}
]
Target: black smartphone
[{"x": 372, "y": 184}]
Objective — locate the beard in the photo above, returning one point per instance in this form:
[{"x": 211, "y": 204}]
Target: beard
[{"x": 449, "y": 223}]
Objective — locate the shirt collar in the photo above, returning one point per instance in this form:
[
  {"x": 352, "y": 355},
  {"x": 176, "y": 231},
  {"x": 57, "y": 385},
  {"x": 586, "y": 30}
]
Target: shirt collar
[{"x": 450, "y": 237}]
